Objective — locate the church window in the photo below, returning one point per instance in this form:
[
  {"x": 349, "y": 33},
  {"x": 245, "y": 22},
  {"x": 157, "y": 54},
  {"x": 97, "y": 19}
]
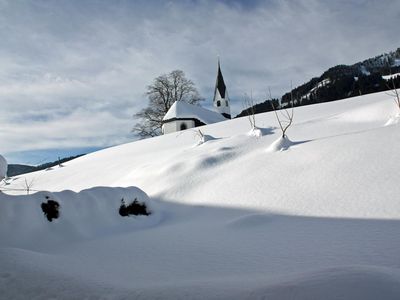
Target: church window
[
  {"x": 218, "y": 103},
  {"x": 183, "y": 126}
]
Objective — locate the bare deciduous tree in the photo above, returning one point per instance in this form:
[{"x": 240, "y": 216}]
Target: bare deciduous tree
[
  {"x": 286, "y": 118},
  {"x": 162, "y": 93}
]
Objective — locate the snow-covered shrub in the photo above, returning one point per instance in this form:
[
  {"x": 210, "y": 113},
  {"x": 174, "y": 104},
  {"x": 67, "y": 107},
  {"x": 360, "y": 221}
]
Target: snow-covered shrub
[
  {"x": 135, "y": 208},
  {"x": 50, "y": 209}
]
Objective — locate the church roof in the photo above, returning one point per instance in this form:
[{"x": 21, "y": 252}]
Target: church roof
[
  {"x": 184, "y": 110},
  {"x": 220, "y": 84}
]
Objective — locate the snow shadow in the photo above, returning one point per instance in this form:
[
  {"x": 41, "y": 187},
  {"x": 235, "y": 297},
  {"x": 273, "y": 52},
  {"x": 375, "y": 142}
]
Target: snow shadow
[
  {"x": 273, "y": 255},
  {"x": 209, "y": 252},
  {"x": 295, "y": 143},
  {"x": 344, "y": 134},
  {"x": 267, "y": 130}
]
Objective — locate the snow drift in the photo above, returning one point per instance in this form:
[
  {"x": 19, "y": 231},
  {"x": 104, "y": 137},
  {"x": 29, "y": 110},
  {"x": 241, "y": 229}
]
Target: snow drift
[{"x": 83, "y": 215}]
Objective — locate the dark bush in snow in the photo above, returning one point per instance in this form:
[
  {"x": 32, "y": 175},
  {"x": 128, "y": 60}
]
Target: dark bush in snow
[
  {"x": 135, "y": 208},
  {"x": 50, "y": 209}
]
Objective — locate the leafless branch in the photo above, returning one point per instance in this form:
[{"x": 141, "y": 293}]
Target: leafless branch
[
  {"x": 200, "y": 134},
  {"x": 287, "y": 116},
  {"x": 28, "y": 185},
  {"x": 248, "y": 106},
  {"x": 393, "y": 90}
]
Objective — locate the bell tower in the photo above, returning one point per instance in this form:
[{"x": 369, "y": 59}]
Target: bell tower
[{"x": 221, "y": 99}]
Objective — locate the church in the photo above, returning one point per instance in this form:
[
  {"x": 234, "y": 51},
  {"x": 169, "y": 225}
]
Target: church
[{"x": 183, "y": 115}]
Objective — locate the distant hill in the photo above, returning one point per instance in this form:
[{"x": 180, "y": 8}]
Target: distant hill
[
  {"x": 259, "y": 108},
  {"x": 341, "y": 82},
  {"x": 17, "y": 169}
]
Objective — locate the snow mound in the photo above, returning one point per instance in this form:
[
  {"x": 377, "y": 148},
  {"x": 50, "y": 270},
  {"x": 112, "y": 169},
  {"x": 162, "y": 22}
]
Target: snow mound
[
  {"x": 3, "y": 167},
  {"x": 395, "y": 119},
  {"x": 205, "y": 138},
  {"x": 82, "y": 215},
  {"x": 256, "y": 132},
  {"x": 281, "y": 144}
]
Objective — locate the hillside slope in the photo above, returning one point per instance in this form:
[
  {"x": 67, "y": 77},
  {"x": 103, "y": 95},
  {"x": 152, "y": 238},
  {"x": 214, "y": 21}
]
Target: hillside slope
[
  {"x": 340, "y": 82},
  {"x": 232, "y": 219}
]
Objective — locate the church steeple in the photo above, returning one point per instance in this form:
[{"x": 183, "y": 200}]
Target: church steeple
[{"x": 221, "y": 99}]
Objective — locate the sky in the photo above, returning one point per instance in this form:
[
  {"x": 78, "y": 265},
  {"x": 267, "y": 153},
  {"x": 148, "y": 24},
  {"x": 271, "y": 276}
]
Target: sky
[{"x": 74, "y": 72}]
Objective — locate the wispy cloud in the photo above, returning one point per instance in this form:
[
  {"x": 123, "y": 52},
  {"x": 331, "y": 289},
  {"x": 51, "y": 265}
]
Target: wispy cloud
[{"x": 74, "y": 72}]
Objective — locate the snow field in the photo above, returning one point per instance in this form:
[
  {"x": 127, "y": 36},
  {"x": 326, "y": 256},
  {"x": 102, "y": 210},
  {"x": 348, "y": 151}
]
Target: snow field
[{"x": 234, "y": 216}]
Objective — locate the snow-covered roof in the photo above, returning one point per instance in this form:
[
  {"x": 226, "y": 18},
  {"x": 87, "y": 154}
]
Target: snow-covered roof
[{"x": 184, "y": 110}]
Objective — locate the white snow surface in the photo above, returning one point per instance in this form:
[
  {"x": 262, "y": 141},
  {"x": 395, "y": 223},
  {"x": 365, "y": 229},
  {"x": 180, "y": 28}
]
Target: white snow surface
[
  {"x": 3, "y": 167},
  {"x": 388, "y": 77},
  {"x": 281, "y": 144},
  {"x": 230, "y": 218},
  {"x": 182, "y": 110}
]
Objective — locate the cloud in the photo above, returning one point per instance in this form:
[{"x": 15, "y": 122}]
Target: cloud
[{"x": 74, "y": 72}]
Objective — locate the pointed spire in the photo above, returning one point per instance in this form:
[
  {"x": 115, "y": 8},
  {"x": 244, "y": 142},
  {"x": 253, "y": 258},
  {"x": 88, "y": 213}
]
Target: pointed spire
[
  {"x": 220, "y": 84},
  {"x": 221, "y": 99}
]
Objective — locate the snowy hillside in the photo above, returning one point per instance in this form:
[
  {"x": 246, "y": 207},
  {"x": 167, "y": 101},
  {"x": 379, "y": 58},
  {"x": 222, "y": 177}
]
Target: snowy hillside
[{"x": 231, "y": 218}]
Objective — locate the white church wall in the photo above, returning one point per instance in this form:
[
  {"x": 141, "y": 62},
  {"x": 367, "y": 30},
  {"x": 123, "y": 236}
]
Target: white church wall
[
  {"x": 177, "y": 125},
  {"x": 169, "y": 127},
  {"x": 184, "y": 124},
  {"x": 224, "y": 107}
]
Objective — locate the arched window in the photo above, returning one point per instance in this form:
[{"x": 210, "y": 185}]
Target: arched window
[
  {"x": 183, "y": 126},
  {"x": 226, "y": 103},
  {"x": 218, "y": 103}
]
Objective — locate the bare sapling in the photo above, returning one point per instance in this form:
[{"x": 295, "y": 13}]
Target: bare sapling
[
  {"x": 248, "y": 105},
  {"x": 28, "y": 185},
  {"x": 285, "y": 119},
  {"x": 202, "y": 137},
  {"x": 393, "y": 90}
]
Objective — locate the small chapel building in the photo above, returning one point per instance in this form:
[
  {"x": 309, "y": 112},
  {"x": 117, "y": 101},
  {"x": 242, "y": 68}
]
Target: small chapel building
[{"x": 183, "y": 115}]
